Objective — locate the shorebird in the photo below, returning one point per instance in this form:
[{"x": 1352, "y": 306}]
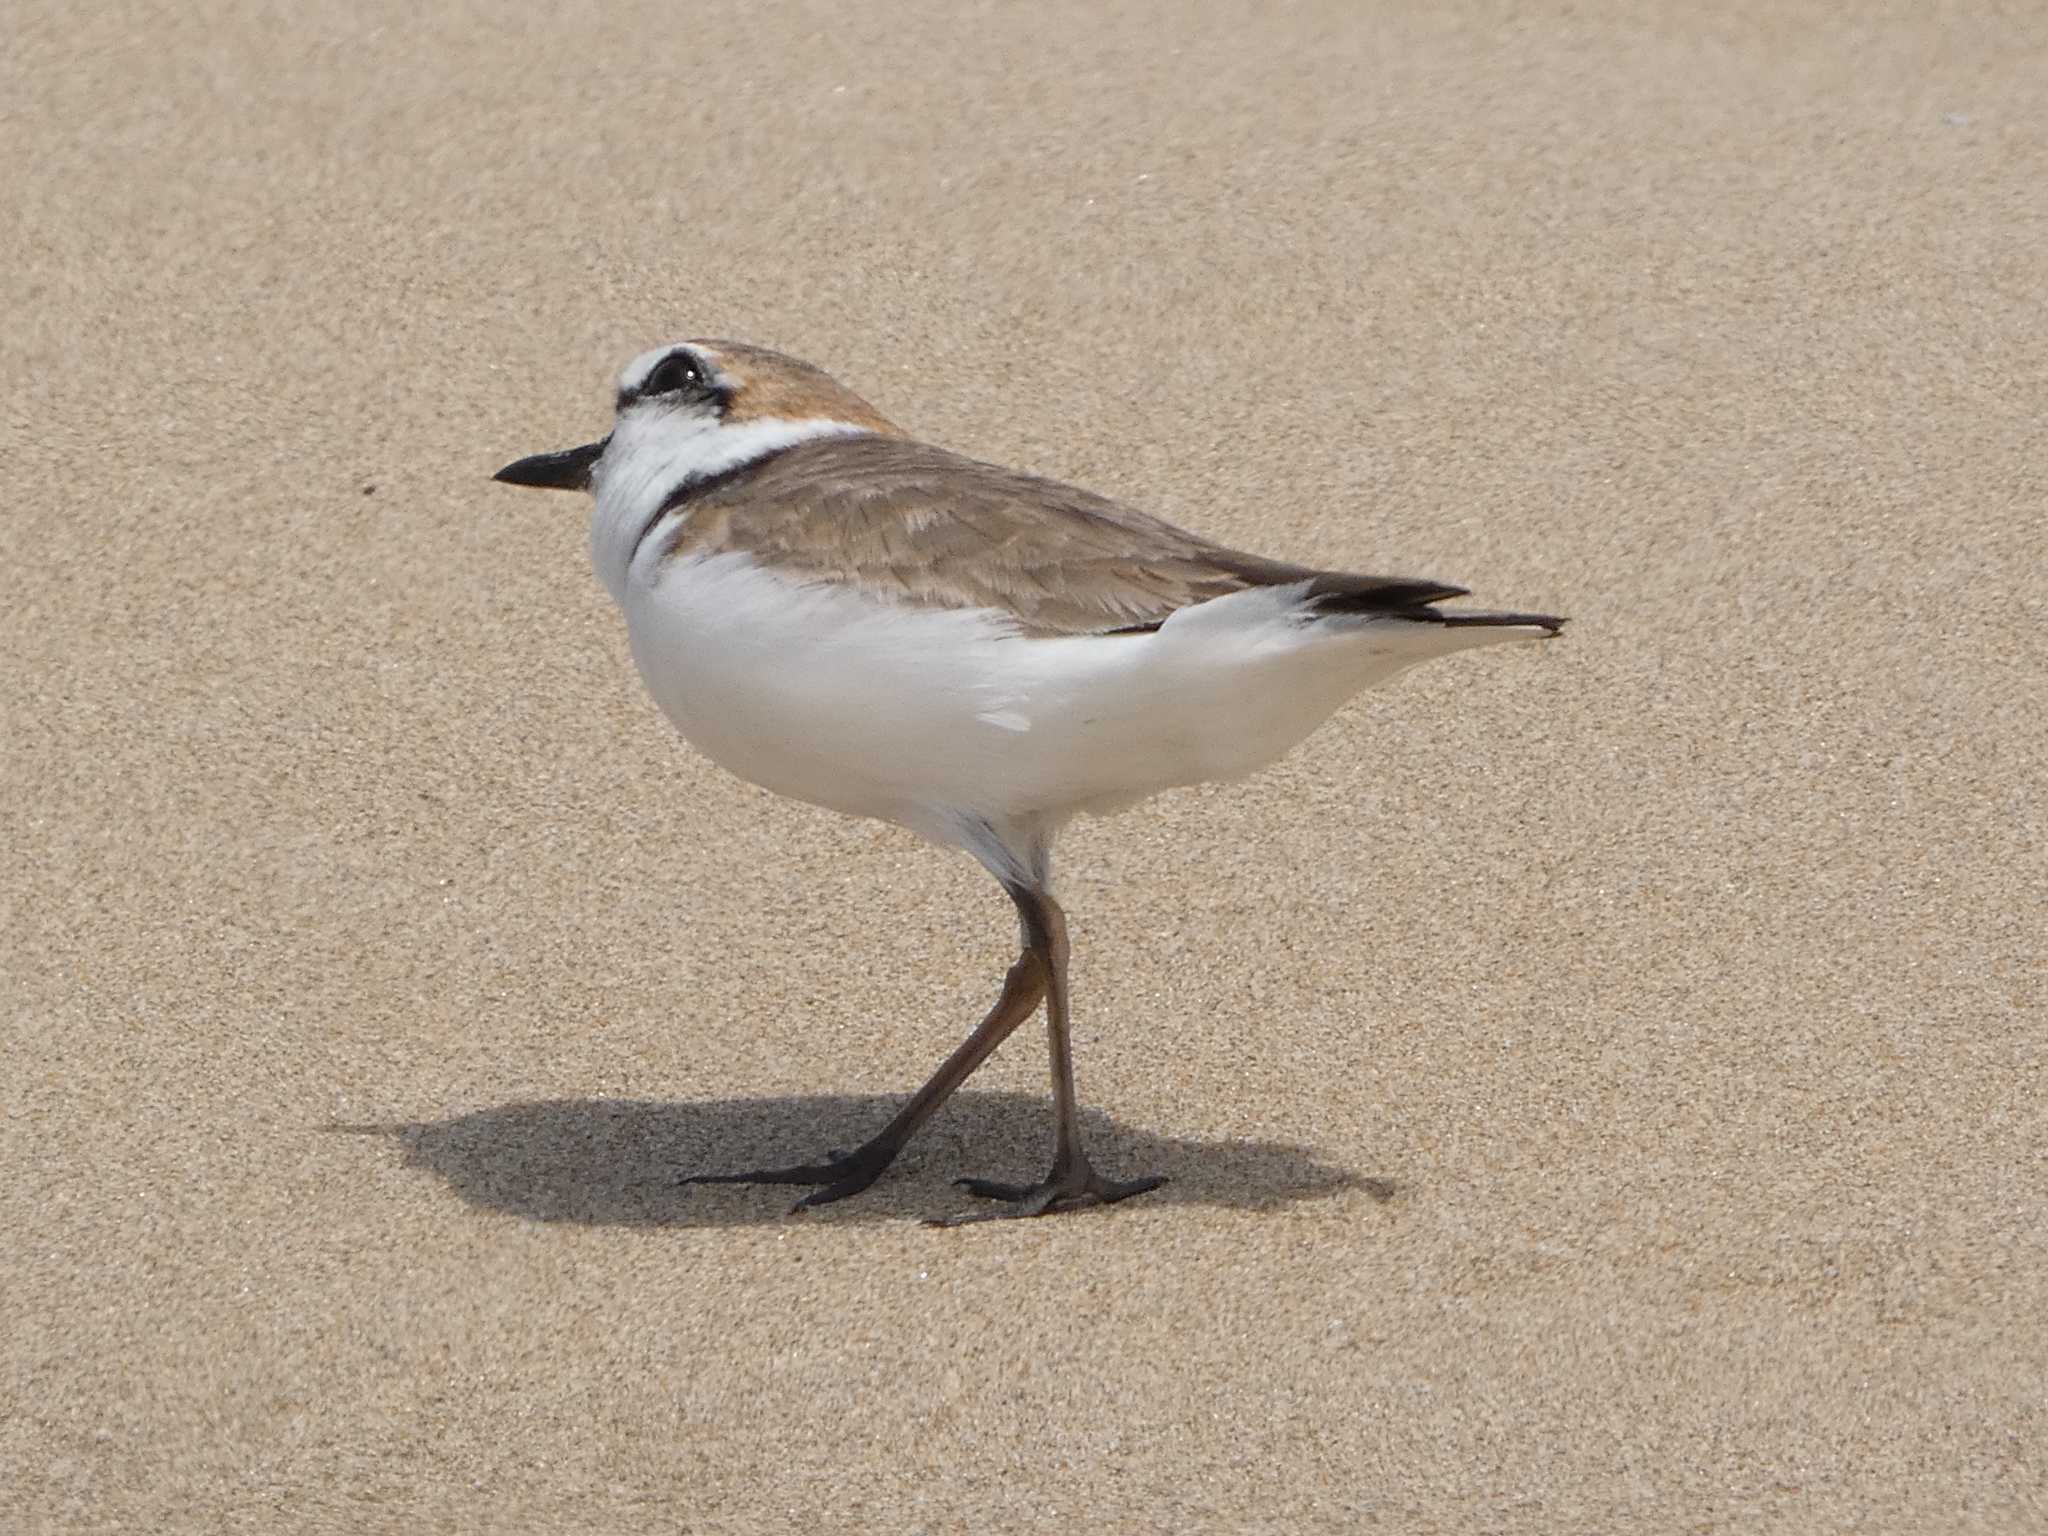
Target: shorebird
[{"x": 842, "y": 614}]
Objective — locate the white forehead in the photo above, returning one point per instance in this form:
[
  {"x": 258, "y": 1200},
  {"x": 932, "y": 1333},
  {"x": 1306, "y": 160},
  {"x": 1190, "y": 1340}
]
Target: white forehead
[{"x": 634, "y": 374}]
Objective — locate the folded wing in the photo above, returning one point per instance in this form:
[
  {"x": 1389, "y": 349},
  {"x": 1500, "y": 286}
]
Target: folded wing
[{"x": 915, "y": 524}]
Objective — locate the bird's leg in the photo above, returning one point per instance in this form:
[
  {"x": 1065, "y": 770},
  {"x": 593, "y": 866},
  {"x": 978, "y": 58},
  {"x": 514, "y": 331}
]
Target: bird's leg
[
  {"x": 848, "y": 1173},
  {"x": 1073, "y": 1181}
]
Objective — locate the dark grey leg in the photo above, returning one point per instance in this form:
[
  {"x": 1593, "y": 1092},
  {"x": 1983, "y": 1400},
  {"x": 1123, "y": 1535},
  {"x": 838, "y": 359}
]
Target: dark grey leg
[
  {"x": 844, "y": 1174},
  {"x": 1073, "y": 1181}
]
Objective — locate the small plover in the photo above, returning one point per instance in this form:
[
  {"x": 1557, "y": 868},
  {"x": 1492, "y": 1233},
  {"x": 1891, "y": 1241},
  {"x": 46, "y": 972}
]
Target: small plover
[{"x": 842, "y": 614}]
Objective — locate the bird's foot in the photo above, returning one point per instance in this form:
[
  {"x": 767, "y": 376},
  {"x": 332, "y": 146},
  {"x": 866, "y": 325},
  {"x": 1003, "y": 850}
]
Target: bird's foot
[
  {"x": 840, "y": 1175},
  {"x": 1068, "y": 1187}
]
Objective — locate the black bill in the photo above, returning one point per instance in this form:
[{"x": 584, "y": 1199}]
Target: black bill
[{"x": 568, "y": 470}]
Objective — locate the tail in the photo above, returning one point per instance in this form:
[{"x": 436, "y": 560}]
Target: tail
[
  {"x": 1551, "y": 625},
  {"x": 1380, "y": 597}
]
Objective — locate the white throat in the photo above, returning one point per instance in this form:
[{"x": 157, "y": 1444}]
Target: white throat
[{"x": 653, "y": 453}]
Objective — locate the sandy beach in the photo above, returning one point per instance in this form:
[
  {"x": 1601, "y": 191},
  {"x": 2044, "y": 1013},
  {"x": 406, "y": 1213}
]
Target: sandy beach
[{"x": 1600, "y": 1083}]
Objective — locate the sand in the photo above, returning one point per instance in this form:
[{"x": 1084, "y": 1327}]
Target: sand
[{"x": 1600, "y": 1083}]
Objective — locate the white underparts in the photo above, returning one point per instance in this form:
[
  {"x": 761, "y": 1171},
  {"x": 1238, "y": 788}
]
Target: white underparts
[{"x": 951, "y": 723}]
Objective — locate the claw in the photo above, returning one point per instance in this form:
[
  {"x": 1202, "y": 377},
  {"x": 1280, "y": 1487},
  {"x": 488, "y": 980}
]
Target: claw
[
  {"x": 1069, "y": 1191},
  {"x": 842, "y": 1174}
]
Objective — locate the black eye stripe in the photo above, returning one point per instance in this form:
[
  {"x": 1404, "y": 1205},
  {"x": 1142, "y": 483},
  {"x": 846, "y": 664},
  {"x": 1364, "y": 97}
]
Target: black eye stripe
[
  {"x": 679, "y": 373},
  {"x": 679, "y": 370}
]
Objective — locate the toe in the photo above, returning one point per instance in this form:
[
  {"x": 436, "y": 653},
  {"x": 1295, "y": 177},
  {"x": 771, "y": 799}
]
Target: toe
[
  {"x": 990, "y": 1189},
  {"x": 1110, "y": 1192}
]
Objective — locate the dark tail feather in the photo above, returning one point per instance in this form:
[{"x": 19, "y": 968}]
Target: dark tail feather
[
  {"x": 1399, "y": 598},
  {"x": 1333, "y": 592},
  {"x": 1530, "y": 620}
]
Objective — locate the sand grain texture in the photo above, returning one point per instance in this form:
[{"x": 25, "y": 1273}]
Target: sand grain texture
[{"x": 1601, "y": 1083}]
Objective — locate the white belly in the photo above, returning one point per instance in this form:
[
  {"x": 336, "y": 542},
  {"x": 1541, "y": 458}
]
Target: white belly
[{"x": 923, "y": 716}]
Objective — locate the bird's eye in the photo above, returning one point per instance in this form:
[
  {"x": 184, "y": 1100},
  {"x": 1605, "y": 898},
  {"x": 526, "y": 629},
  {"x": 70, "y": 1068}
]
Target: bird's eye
[{"x": 677, "y": 371}]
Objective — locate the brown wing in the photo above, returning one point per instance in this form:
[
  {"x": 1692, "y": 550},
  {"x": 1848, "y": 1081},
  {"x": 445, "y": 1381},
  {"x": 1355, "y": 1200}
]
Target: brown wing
[{"x": 913, "y": 523}]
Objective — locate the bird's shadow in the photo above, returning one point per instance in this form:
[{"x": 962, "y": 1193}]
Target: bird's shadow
[{"x": 620, "y": 1162}]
